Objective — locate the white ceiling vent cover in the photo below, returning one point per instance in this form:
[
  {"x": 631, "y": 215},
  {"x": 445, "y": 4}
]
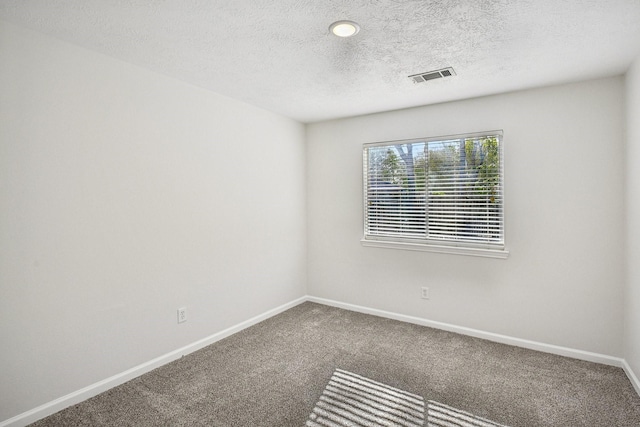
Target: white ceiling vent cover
[{"x": 431, "y": 75}]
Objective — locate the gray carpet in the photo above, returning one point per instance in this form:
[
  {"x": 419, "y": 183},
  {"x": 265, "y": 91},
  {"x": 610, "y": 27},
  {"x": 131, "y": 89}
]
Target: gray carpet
[{"x": 275, "y": 372}]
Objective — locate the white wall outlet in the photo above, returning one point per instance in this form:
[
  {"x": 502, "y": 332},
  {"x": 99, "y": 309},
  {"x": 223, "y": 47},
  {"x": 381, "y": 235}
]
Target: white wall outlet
[
  {"x": 425, "y": 293},
  {"x": 182, "y": 314}
]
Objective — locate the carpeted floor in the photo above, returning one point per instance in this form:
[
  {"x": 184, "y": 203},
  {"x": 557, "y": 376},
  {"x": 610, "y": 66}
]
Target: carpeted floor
[{"x": 273, "y": 374}]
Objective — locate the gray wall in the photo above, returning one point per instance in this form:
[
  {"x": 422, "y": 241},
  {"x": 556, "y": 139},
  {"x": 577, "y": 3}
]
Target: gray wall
[
  {"x": 123, "y": 196},
  {"x": 632, "y": 297},
  {"x": 563, "y": 281}
]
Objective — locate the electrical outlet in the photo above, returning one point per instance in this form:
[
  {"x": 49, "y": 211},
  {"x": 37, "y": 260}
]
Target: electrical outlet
[
  {"x": 425, "y": 293},
  {"x": 182, "y": 314}
]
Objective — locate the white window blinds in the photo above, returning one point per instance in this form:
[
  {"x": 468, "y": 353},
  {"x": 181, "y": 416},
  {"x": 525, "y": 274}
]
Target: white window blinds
[{"x": 442, "y": 191}]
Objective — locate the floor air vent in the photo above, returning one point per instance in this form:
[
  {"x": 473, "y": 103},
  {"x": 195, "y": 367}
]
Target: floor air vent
[{"x": 431, "y": 75}]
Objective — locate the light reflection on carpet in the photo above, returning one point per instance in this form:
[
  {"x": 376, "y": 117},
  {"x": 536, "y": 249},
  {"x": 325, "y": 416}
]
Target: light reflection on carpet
[
  {"x": 356, "y": 401},
  {"x": 441, "y": 415}
]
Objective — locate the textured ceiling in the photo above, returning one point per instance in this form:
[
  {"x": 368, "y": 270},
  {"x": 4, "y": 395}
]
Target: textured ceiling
[{"x": 279, "y": 55}]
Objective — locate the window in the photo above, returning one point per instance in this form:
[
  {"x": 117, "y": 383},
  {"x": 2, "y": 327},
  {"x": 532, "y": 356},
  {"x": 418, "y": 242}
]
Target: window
[{"x": 440, "y": 194}]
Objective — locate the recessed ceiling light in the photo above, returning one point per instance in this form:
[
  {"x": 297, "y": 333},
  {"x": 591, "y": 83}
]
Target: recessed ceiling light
[{"x": 344, "y": 28}]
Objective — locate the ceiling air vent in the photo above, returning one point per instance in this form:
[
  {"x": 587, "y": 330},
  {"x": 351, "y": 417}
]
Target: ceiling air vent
[{"x": 431, "y": 75}]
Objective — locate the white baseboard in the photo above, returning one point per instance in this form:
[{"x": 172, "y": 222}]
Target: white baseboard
[
  {"x": 632, "y": 376},
  {"x": 503, "y": 339},
  {"x": 78, "y": 396}
]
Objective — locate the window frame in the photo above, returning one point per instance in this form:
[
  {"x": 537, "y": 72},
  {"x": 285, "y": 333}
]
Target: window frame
[{"x": 482, "y": 249}]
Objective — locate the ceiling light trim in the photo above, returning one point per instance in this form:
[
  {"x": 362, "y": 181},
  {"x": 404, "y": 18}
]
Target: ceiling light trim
[{"x": 344, "y": 28}]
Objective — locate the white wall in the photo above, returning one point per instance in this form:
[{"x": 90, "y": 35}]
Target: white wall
[
  {"x": 563, "y": 281},
  {"x": 123, "y": 196},
  {"x": 632, "y": 296}
]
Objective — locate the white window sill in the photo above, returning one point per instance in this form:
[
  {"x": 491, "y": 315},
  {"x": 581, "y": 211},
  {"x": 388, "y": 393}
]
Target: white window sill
[{"x": 425, "y": 247}]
